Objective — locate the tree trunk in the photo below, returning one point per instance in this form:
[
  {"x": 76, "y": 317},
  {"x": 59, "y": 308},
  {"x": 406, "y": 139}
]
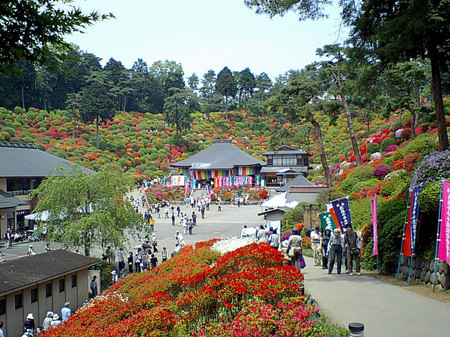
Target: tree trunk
[
  {"x": 98, "y": 146},
  {"x": 23, "y": 95},
  {"x": 323, "y": 157},
  {"x": 351, "y": 130},
  {"x": 437, "y": 95},
  {"x": 226, "y": 107}
]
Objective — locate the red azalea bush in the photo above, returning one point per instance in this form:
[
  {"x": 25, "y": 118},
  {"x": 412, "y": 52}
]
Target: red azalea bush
[{"x": 200, "y": 293}]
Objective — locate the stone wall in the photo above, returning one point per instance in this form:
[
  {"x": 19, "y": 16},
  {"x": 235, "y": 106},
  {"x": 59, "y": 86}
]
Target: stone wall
[{"x": 422, "y": 272}]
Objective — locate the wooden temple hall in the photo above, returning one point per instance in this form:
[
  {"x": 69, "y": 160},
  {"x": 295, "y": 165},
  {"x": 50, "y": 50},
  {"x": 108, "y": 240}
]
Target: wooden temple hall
[{"x": 221, "y": 164}]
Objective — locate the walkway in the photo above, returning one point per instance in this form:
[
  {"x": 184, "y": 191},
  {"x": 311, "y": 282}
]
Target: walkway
[{"x": 386, "y": 310}]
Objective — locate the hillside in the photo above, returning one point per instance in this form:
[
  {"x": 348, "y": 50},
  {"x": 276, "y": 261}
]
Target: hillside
[{"x": 144, "y": 143}]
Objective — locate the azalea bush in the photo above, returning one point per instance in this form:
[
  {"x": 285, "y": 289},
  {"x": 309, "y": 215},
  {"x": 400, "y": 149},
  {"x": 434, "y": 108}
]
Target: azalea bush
[{"x": 202, "y": 293}]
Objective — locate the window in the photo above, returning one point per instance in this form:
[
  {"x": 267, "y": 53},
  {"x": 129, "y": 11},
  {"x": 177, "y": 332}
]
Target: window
[
  {"x": 18, "y": 186},
  {"x": 19, "y": 301},
  {"x": 48, "y": 290},
  {"x": 62, "y": 285},
  {"x": 2, "y": 306},
  {"x": 73, "y": 280},
  {"x": 34, "y": 295}
]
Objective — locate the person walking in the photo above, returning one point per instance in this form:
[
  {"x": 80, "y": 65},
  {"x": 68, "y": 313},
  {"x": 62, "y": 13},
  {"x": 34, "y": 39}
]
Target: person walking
[
  {"x": 274, "y": 239},
  {"x": 324, "y": 247},
  {"x": 47, "y": 322},
  {"x": 56, "y": 321},
  {"x": 153, "y": 261},
  {"x": 194, "y": 218},
  {"x": 65, "y": 312},
  {"x": 261, "y": 234},
  {"x": 164, "y": 254},
  {"x": 335, "y": 251},
  {"x": 294, "y": 249},
  {"x": 121, "y": 259},
  {"x": 190, "y": 226},
  {"x": 130, "y": 262},
  {"x": 94, "y": 286},
  {"x": 178, "y": 211},
  {"x": 315, "y": 244},
  {"x": 138, "y": 260},
  {"x": 28, "y": 324},
  {"x": 173, "y": 219},
  {"x": 352, "y": 250}
]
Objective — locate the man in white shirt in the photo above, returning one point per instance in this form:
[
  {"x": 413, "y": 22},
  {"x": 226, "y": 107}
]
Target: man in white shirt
[{"x": 315, "y": 244}]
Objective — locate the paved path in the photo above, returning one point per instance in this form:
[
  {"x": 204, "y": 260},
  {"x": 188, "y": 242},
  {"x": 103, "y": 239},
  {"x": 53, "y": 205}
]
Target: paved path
[{"x": 386, "y": 310}]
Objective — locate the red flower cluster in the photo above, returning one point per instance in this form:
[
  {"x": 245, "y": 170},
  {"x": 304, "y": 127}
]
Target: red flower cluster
[{"x": 200, "y": 293}]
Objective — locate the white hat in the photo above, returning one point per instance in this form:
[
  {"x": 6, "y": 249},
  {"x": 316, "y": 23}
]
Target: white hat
[
  {"x": 30, "y": 316},
  {"x": 113, "y": 272},
  {"x": 55, "y": 317},
  {"x": 49, "y": 313}
]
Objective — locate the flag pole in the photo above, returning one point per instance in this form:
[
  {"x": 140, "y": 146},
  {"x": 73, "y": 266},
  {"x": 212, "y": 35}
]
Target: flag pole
[
  {"x": 410, "y": 269},
  {"x": 403, "y": 239},
  {"x": 438, "y": 240}
]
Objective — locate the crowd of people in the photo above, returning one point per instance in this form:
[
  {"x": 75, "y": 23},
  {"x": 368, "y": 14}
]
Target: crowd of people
[
  {"x": 328, "y": 249},
  {"x": 51, "y": 320}
]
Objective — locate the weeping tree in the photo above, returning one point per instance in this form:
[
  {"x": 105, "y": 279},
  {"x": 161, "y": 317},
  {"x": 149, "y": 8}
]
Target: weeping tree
[{"x": 87, "y": 209}]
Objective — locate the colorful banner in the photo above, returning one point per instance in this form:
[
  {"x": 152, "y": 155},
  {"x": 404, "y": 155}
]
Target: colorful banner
[
  {"x": 342, "y": 210},
  {"x": 373, "y": 209},
  {"x": 327, "y": 221},
  {"x": 444, "y": 234},
  {"x": 411, "y": 223},
  {"x": 244, "y": 170},
  {"x": 186, "y": 190}
]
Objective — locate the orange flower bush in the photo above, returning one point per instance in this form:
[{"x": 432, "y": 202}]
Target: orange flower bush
[{"x": 200, "y": 293}]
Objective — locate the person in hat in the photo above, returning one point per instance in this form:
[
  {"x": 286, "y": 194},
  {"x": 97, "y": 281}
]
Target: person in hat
[
  {"x": 352, "y": 250},
  {"x": 324, "y": 246},
  {"x": 29, "y": 324},
  {"x": 335, "y": 251},
  {"x": 65, "y": 312},
  {"x": 30, "y": 251},
  {"x": 114, "y": 276},
  {"x": 294, "y": 248},
  {"x": 56, "y": 321},
  {"x": 47, "y": 323}
]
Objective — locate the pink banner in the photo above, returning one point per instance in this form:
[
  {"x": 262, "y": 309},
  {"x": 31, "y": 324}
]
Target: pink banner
[
  {"x": 444, "y": 234},
  {"x": 373, "y": 208}
]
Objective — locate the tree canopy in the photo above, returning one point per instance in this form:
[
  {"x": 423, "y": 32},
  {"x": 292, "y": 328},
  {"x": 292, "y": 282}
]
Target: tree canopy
[
  {"x": 34, "y": 30},
  {"x": 88, "y": 209}
]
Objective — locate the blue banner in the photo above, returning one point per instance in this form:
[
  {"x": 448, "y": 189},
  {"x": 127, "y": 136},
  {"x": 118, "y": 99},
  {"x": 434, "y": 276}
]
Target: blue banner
[
  {"x": 414, "y": 217},
  {"x": 342, "y": 209}
]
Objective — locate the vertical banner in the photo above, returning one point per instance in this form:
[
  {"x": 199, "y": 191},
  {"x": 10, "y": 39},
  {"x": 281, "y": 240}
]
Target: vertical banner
[
  {"x": 444, "y": 235},
  {"x": 373, "y": 209},
  {"x": 411, "y": 223},
  {"x": 186, "y": 190},
  {"x": 342, "y": 209},
  {"x": 326, "y": 220}
]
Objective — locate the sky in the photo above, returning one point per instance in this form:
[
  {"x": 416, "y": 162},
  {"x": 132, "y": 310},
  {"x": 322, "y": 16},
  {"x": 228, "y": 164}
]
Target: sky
[{"x": 205, "y": 34}]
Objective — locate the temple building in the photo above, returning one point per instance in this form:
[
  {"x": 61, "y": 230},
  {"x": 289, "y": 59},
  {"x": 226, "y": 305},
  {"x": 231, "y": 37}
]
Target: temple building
[
  {"x": 221, "y": 164},
  {"x": 284, "y": 165}
]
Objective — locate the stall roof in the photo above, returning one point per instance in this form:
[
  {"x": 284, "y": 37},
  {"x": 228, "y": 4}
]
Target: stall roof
[{"x": 7, "y": 200}]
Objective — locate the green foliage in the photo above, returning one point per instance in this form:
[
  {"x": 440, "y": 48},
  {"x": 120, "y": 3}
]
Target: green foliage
[
  {"x": 373, "y": 147},
  {"x": 422, "y": 144},
  {"x": 292, "y": 217},
  {"x": 88, "y": 209},
  {"x": 387, "y": 142},
  {"x": 360, "y": 210},
  {"x": 429, "y": 197},
  {"x": 361, "y": 173},
  {"x": 367, "y": 183},
  {"x": 329, "y": 194},
  {"x": 347, "y": 185},
  {"x": 389, "y": 240}
]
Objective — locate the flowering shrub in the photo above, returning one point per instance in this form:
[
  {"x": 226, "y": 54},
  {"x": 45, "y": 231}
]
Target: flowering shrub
[
  {"x": 380, "y": 171},
  {"x": 391, "y": 148},
  {"x": 200, "y": 293}
]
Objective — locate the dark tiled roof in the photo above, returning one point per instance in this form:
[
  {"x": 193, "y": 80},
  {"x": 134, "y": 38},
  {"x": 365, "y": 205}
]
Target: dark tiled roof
[
  {"x": 7, "y": 200},
  {"x": 285, "y": 149},
  {"x": 275, "y": 210},
  {"x": 25, "y": 160},
  {"x": 305, "y": 189},
  {"x": 219, "y": 155},
  {"x": 27, "y": 271},
  {"x": 298, "y": 181}
]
